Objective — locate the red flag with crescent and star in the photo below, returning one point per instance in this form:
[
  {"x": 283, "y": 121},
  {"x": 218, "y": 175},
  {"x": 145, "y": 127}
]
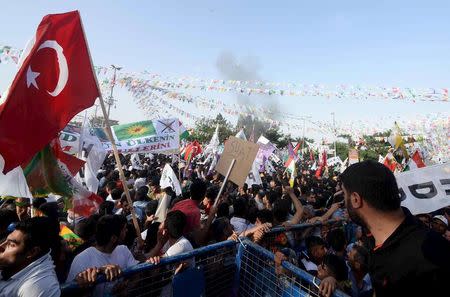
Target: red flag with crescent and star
[{"x": 55, "y": 82}]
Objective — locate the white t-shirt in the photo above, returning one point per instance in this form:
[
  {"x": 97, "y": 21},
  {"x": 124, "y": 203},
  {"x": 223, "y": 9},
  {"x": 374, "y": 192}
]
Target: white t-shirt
[
  {"x": 310, "y": 266},
  {"x": 92, "y": 257},
  {"x": 240, "y": 224},
  {"x": 181, "y": 246},
  {"x": 36, "y": 280}
]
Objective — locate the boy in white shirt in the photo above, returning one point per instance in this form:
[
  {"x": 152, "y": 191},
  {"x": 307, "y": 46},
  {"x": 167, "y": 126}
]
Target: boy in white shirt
[
  {"x": 107, "y": 256},
  {"x": 171, "y": 241}
]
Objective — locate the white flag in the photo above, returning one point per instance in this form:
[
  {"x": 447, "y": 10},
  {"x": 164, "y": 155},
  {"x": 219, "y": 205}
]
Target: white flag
[
  {"x": 13, "y": 183},
  {"x": 136, "y": 162},
  {"x": 253, "y": 177},
  {"x": 94, "y": 154},
  {"x": 169, "y": 179},
  {"x": 241, "y": 135},
  {"x": 213, "y": 145},
  {"x": 425, "y": 189}
]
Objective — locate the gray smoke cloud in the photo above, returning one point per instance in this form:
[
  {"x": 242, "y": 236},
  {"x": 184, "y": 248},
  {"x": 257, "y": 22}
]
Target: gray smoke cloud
[{"x": 246, "y": 69}]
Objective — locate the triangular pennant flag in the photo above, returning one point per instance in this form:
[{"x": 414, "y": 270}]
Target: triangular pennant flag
[{"x": 241, "y": 135}]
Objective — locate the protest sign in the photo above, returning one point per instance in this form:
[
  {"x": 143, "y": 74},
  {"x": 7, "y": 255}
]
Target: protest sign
[
  {"x": 157, "y": 136},
  {"x": 425, "y": 189},
  {"x": 353, "y": 156},
  {"x": 244, "y": 152}
]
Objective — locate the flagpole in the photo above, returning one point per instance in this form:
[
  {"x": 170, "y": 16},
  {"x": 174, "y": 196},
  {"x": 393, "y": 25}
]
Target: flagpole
[
  {"x": 179, "y": 171},
  {"x": 113, "y": 144}
]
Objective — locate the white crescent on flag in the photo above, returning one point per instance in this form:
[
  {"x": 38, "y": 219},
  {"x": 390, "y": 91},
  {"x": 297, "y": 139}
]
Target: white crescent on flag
[{"x": 63, "y": 69}]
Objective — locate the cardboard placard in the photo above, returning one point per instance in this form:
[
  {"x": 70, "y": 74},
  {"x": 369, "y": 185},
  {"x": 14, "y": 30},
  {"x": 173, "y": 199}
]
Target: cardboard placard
[
  {"x": 353, "y": 156},
  {"x": 244, "y": 152}
]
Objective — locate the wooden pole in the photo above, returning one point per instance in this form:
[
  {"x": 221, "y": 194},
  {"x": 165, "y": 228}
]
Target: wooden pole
[
  {"x": 113, "y": 144},
  {"x": 178, "y": 165},
  {"x": 233, "y": 161}
]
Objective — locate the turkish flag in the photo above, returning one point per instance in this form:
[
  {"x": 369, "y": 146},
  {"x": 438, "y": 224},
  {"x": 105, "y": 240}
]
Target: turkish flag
[{"x": 54, "y": 83}]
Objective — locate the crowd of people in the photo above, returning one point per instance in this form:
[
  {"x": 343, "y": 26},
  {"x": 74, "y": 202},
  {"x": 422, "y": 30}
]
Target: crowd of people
[{"x": 373, "y": 245}]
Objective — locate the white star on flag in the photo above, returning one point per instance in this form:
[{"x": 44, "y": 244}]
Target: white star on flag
[{"x": 31, "y": 78}]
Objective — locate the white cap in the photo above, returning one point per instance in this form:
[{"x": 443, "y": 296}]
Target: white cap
[{"x": 442, "y": 219}]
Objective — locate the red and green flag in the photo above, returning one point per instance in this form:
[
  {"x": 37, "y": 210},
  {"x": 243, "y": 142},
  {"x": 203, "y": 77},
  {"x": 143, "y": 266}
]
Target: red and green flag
[{"x": 51, "y": 171}]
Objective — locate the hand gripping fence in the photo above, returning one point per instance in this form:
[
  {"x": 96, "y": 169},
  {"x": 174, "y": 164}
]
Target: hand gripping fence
[{"x": 222, "y": 269}]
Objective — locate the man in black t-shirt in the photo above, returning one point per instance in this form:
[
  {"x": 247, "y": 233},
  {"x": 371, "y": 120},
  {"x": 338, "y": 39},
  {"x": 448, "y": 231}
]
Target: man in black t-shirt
[{"x": 408, "y": 259}]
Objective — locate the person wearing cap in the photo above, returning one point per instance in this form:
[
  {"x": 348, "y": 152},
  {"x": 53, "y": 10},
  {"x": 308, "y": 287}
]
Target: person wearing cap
[{"x": 439, "y": 224}]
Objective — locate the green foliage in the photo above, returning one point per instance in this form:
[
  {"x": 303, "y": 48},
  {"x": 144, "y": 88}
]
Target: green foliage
[
  {"x": 277, "y": 137},
  {"x": 204, "y": 129},
  {"x": 369, "y": 151},
  {"x": 342, "y": 150}
]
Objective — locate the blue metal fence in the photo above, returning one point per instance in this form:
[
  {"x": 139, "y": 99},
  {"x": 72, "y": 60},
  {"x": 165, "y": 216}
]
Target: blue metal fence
[
  {"x": 281, "y": 237},
  {"x": 216, "y": 262},
  {"x": 259, "y": 278},
  {"x": 221, "y": 269}
]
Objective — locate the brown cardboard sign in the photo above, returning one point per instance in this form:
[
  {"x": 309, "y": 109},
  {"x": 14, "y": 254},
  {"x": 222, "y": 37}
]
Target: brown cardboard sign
[{"x": 244, "y": 152}]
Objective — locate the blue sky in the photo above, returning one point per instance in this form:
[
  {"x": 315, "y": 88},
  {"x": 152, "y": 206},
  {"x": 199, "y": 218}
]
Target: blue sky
[{"x": 389, "y": 43}]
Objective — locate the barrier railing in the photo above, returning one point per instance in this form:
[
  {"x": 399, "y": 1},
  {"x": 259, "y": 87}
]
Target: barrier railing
[
  {"x": 220, "y": 269},
  {"x": 290, "y": 237},
  {"x": 258, "y": 276},
  {"x": 215, "y": 262}
]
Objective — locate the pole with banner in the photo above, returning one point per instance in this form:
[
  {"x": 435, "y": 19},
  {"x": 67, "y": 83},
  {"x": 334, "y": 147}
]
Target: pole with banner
[{"x": 114, "y": 147}]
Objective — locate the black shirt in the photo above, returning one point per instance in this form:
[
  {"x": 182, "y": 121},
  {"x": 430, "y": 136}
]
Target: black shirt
[{"x": 413, "y": 261}]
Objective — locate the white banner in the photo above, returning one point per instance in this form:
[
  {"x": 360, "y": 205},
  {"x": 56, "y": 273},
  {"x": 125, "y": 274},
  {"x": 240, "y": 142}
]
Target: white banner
[
  {"x": 169, "y": 179},
  {"x": 334, "y": 161},
  {"x": 156, "y": 136},
  {"x": 426, "y": 189}
]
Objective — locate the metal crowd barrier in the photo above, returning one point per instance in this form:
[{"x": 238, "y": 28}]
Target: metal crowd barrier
[
  {"x": 291, "y": 237},
  {"x": 221, "y": 269},
  {"x": 258, "y": 277},
  {"x": 216, "y": 263}
]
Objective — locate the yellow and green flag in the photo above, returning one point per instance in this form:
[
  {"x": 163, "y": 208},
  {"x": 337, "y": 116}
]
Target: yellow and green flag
[{"x": 134, "y": 130}]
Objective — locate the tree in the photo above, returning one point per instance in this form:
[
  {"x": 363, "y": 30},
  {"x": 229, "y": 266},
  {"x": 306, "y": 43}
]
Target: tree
[
  {"x": 277, "y": 137},
  {"x": 342, "y": 150},
  {"x": 205, "y": 128},
  {"x": 370, "y": 149}
]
